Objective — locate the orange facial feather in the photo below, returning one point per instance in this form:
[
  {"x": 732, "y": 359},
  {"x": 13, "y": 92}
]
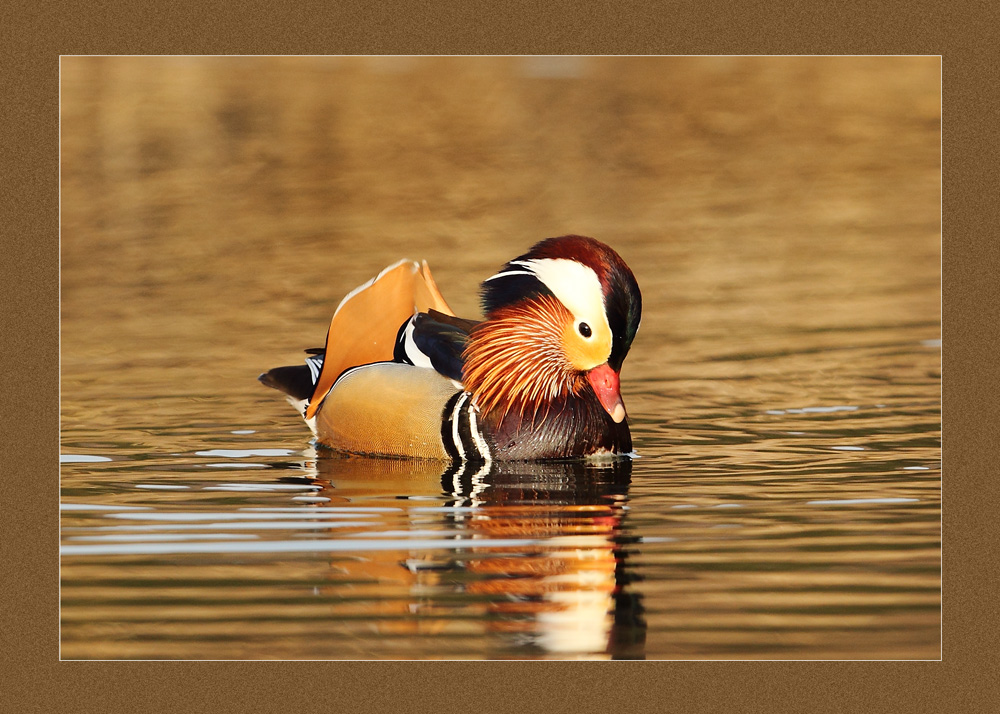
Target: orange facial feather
[{"x": 516, "y": 360}]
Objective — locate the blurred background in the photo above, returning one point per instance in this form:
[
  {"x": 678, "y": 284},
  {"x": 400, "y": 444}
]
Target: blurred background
[
  {"x": 231, "y": 195},
  {"x": 781, "y": 215}
]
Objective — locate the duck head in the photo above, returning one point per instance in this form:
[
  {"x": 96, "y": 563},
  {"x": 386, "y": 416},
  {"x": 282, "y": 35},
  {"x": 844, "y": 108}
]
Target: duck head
[{"x": 560, "y": 320}]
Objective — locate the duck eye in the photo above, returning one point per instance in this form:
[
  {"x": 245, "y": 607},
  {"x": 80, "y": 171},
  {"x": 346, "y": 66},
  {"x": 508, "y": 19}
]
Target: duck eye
[{"x": 585, "y": 329}]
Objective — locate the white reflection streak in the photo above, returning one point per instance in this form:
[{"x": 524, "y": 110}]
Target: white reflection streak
[
  {"x": 145, "y": 537},
  {"x": 846, "y": 501},
  {"x": 224, "y": 516},
  {"x": 285, "y": 546},
  {"x": 255, "y": 525},
  {"x": 243, "y": 453},
  {"x": 99, "y": 507}
]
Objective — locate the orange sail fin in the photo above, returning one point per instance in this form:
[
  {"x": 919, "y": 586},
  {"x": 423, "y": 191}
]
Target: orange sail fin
[{"x": 364, "y": 326}]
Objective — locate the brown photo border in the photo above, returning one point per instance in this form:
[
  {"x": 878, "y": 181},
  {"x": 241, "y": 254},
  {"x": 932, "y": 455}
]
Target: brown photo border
[{"x": 33, "y": 38}]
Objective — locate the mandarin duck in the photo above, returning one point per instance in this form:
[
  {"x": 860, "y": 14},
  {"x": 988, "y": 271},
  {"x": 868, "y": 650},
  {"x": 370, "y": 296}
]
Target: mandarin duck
[{"x": 536, "y": 379}]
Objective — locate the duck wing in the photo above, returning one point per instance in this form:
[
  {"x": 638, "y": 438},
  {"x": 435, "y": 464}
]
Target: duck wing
[{"x": 366, "y": 323}]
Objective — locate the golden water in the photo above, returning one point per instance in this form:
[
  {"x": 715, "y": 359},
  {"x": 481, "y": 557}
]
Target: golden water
[{"x": 782, "y": 218}]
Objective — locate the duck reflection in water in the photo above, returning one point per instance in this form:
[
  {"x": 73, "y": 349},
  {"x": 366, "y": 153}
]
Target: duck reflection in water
[{"x": 548, "y": 577}]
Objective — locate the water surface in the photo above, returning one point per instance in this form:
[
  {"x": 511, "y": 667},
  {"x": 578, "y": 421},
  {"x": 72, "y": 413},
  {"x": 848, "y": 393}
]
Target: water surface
[{"x": 782, "y": 218}]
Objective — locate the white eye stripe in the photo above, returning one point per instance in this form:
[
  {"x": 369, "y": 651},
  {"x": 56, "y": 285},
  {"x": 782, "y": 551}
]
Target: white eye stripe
[{"x": 576, "y": 286}]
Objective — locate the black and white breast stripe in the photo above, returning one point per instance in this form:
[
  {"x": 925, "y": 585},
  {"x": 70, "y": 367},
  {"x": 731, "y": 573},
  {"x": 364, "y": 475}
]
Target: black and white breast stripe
[{"x": 460, "y": 430}]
